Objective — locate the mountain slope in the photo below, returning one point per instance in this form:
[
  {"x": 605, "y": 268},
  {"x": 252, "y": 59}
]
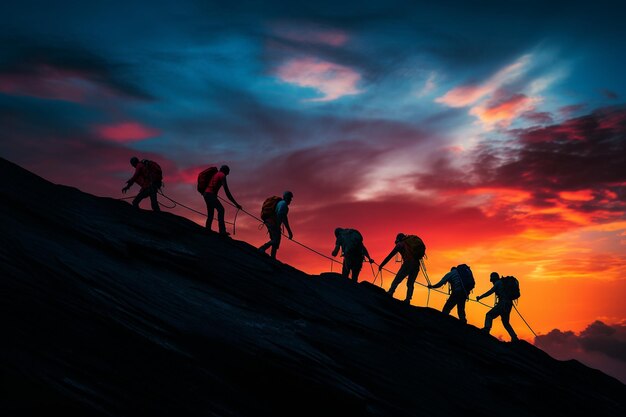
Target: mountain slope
[{"x": 107, "y": 310}]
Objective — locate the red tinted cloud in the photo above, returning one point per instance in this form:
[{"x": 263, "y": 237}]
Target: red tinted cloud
[{"x": 126, "y": 132}]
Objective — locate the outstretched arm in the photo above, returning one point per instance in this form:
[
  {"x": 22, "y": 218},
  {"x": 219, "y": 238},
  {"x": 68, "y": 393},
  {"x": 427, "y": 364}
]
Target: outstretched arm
[
  {"x": 487, "y": 294},
  {"x": 445, "y": 279},
  {"x": 395, "y": 250},
  {"x": 131, "y": 181},
  {"x": 229, "y": 195}
]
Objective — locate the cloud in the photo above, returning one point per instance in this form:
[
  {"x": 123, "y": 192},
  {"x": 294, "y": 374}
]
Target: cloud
[
  {"x": 332, "y": 80},
  {"x": 69, "y": 73},
  {"x": 600, "y": 345},
  {"x": 52, "y": 83},
  {"x": 126, "y": 132},
  {"x": 502, "y": 112},
  {"x": 470, "y": 94},
  {"x": 556, "y": 177},
  {"x": 429, "y": 85},
  {"x": 541, "y": 118}
]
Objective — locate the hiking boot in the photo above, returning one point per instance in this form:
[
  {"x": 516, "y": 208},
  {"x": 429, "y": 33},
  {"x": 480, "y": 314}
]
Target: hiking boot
[
  {"x": 515, "y": 339},
  {"x": 407, "y": 301},
  {"x": 226, "y": 234}
]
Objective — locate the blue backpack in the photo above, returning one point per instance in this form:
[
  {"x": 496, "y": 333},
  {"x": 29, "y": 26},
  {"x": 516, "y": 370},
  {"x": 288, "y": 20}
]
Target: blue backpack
[{"x": 467, "y": 278}]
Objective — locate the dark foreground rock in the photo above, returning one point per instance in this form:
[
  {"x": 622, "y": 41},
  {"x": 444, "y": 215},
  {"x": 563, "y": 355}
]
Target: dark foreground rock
[{"x": 111, "y": 311}]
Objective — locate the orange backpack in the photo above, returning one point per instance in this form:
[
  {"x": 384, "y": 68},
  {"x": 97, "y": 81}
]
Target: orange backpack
[{"x": 268, "y": 210}]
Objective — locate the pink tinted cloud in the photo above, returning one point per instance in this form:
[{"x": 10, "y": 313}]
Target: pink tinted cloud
[
  {"x": 464, "y": 95},
  {"x": 467, "y": 95},
  {"x": 332, "y": 80},
  {"x": 52, "y": 83},
  {"x": 503, "y": 112},
  {"x": 126, "y": 132}
]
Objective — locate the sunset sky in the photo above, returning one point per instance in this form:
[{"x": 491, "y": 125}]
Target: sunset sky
[{"x": 496, "y": 131}]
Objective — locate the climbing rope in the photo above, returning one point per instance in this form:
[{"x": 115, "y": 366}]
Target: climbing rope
[{"x": 332, "y": 260}]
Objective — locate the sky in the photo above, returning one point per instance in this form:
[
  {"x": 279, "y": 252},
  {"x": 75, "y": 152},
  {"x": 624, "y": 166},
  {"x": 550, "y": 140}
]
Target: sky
[{"x": 495, "y": 131}]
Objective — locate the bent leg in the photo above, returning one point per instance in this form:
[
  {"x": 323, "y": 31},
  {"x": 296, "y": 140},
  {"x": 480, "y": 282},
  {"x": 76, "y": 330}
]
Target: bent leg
[
  {"x": 153, "y": 199},
  {"x": 414, "y": 269},
  {"x": 209, "y": 209},
  {"x": 402, "y": 273},
  {"x": 345, "y": 269},
  {"x": 492, "y": 314},
  {"x": 143, "y": 193},
  {"x": 220, "y": 215},
  {"x": 447, "y": 307},
  {"x": 506, "y": 315},
  {"x": 460, "y": 308}
]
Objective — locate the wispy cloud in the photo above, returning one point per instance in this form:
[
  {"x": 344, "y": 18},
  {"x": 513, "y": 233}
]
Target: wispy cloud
[
  {"x": 470, "y": 94},
  {"x": 429, "y": 85},
  {"x": 51, "y": 83},
  {"x": 332, "y": 80}
]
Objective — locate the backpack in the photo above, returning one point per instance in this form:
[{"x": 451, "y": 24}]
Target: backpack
[
  {"x": 511, "y": 287},
  {"x": 268, "y": 210},
  {"x": 352, "y": 242},
  {"x": 467, "y": 278},
  {"x": 204, "y": 178},
  {"x": 154, "y": 171},
  {"x": 414, "y": 246}
]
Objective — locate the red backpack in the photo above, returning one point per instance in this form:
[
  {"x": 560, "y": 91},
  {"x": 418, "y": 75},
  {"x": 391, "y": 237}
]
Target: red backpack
[
  {"x": 155, "y": 173},
  {"x": 268, "y": 210},
  {"x": 414, "y": 247},
  {"x": 204, "y": 178}
]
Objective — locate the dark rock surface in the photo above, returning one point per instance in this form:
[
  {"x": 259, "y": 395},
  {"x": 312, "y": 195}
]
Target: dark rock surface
[{"x": 107, "y": 310}]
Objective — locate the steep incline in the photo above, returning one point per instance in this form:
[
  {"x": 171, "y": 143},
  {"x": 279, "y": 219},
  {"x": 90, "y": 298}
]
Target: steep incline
[{"x": 111, "y": 311}]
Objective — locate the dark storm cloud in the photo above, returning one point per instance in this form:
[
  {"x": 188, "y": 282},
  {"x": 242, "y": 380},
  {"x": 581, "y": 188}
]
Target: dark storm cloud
[
  {"x": 600, "y": 345},
  {"x": 609, "y": 340}
]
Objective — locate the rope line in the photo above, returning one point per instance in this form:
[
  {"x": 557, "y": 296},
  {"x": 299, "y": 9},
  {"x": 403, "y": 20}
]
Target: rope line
[
  {"x": 524, "y": 320},
  {"x": 380, "y": 272}
]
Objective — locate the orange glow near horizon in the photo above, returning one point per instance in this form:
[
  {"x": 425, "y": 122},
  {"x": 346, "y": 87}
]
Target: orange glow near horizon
[{"x": 568, "y": 278}]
